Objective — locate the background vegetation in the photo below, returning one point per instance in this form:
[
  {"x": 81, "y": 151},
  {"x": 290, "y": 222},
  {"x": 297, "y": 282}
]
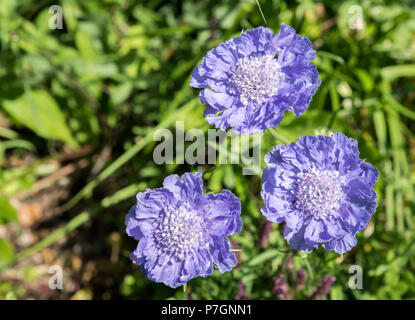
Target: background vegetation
[{"x": 79, "y": 106}]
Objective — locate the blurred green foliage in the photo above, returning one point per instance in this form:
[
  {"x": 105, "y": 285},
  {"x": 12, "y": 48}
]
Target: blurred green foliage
[{"x": 119, "y": 68}]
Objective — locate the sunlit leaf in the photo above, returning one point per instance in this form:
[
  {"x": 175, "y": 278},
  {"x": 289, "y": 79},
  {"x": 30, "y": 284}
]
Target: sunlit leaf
[{"x": 38, "y": 111}]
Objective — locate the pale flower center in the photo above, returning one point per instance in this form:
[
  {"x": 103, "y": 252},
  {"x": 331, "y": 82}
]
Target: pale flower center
[
  {"x": 255, "y": 78},
  {"x": 179, "y": 231},
  {"x": 319, "y": 192}
]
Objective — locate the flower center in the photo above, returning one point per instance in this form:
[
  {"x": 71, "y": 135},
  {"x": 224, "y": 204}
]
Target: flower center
[
  {"x": 180, "y": 231},
  {"x": 319, "y": 192},
  {"x": 255, "y": 78}
]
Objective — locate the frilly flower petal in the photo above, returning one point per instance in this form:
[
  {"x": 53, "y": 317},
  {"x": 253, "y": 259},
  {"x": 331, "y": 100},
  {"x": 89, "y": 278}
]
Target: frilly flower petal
[
  {"x": 251, "y": 80},
  {"x": 181, "y": 232},
  {"x": 321, "y": 189}
]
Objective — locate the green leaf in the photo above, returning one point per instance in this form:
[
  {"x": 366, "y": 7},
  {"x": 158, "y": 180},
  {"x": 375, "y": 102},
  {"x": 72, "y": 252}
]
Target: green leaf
[
  {"x": 6, "y": 253},
  {"x": 334, "y": 96},
  {"x": 403, "y": 70},
  {"x": 38, "y": 111},
  {"x": 336, "y": 293},
  {"x": 365, "y": 79},
  {"x": 394, "y": 104},
  {"x": 380, "y": 129},
  {"x": 85, "y": 45},
  {"x": 381, "y": 269},
  {"x": 330, "y": 56},
  {"x": 121, "y": 92},
  {"x": 7, "y": 212},
  {"x": 215, "y": 181},
  {"x": 229, "y": 177},
  {"x": 261, "y": 258}
]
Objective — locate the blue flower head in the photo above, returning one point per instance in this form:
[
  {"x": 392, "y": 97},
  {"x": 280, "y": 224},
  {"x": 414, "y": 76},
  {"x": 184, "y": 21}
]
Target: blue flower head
[
  {"x": 182, "y": 232},
  {"x": 251, "y": 80},
  {"x": 321, "y": 189}
]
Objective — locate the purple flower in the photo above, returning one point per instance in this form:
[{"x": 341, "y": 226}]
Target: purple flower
[
  {"x": 321, "y": 189},
  {"x": 324, "y": 287},
  {"x": 182, "y": 232},
  {"x": 281, "y": 288},
  {"x": 242, "y": 294},
  {"x": 265, "y": 233},
  {"x": 300, "y": 279},
  {"x": 251, "y": 80}
]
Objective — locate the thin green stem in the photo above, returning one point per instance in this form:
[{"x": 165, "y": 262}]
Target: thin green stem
[
  {"x": 260, "y": 10},
  {"x": 278, "y": 136},
  {"x": 309, "y": 267},
  {"x": 56, "y": 235}
]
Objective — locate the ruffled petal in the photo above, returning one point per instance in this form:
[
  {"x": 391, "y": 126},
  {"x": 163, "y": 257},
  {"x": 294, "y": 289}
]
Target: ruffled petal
[
  {"x": 369, "y": 173},
  {"x": 316, "y": 231},
  {"x": 218, "y": 100},
  {"x": 132, "y": 224},
  {"x": 342, "y": 245},
  {"x": 291, "y": 83},
  {"x": 296, "y": 239},
  {"x": 222, "y": 256},
  {"x": 197, "y": 264},
  {"x": 222, "y": 213},
  {"x": 140, "y": 217},
  {"x": 198, "y": 80},
  {"x": 322, "y": 190},
  {"x": 151, "y": 202},
  {"x": 168, "y": 273},
  {"x": 186, "y": 188},
  {"x": 175, "y": 226}
]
